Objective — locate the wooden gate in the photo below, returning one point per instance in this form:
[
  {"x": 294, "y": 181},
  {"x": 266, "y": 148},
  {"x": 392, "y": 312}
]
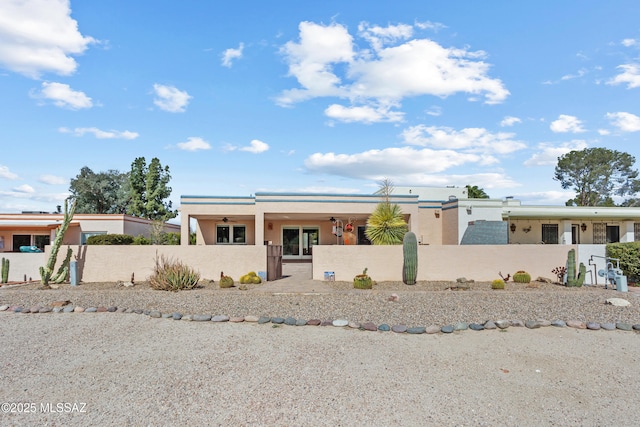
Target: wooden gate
[{"x": 274, "y": 262}]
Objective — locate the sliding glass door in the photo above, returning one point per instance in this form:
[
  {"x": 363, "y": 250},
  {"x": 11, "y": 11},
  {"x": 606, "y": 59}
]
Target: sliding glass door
[{"x": 298, "y": 242}]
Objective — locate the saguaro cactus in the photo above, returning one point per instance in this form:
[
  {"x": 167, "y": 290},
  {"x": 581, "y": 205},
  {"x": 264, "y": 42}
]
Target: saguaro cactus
[
  {"x": 5, "y": 270},
  {"x": 410, "y": 255},
  {"x": 572, "y": 278},
  {"x": 46, "y": 272}
]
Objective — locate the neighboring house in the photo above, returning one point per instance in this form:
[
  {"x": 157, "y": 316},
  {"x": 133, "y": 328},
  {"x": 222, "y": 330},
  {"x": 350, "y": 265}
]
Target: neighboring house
[
  {"x": 39, "y": 229},
  {"x": 438, "y": 216}
]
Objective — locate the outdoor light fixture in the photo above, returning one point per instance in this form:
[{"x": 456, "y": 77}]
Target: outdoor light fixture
[
  {"x": 583, "y": 227},
  {"x": 513, "y": 227},
  {"x": 437, "y": 214},
  {"x": 332, "y": 219},
  {"x": 469, "y": 209}
]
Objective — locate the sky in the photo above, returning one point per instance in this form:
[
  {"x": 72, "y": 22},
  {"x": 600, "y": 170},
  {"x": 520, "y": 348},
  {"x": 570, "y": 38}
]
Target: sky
[{"x": 324, "y": 97}]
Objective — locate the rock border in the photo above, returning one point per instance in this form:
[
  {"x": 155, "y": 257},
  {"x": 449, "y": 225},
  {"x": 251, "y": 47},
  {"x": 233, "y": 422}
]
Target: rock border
[{"x": 502, "y": 324}]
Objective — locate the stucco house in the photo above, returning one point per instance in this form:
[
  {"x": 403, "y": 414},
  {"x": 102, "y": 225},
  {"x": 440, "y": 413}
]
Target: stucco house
[
  {"x": 438, "y": 216},
  {"x": 39, "y": 229}
]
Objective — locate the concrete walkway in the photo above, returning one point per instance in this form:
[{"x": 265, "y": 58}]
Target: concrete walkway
[{"x": 297, "y": 278}]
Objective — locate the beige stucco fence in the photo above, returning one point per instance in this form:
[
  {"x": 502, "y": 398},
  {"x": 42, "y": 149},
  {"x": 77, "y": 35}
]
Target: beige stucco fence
[
  {"x": 448, "y": 262},
  {"x": 384, "y": 263}
]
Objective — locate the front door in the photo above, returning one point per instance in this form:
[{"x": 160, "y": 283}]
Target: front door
[{"x": 298, "y": 242}]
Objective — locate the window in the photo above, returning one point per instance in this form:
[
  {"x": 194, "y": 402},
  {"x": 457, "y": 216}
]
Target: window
[
  {"x": 613, "y": 233},
  {"x": 226, "y": 234},
  {"x": 41, "y": 240},
  {"x": 550, "y": 234},
  {"x": 604, "y": 233},
  {"x": 84, "y": 236},
  {"x": 636, "y": 231}
]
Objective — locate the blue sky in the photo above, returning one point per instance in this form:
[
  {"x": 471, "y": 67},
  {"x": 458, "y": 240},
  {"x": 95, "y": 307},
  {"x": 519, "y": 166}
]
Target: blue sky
[{"x": 332, "y": 96}]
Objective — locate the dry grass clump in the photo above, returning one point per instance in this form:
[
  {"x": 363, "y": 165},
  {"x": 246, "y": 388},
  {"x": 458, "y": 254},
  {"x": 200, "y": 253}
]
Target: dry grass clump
[{"x": 170, "y": 275}]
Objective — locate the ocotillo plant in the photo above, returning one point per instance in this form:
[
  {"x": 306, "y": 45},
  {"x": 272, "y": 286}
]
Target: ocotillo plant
[
  {"x": 5, "y": 270},
  {"x": 410, "y": 255},
  {"x": 46, "y": 272},
  {"x": 572, "y": 279}
]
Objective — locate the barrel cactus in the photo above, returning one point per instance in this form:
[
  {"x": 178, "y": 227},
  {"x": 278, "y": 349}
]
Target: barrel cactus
[
  {"x": 521, "y": 277},
  {"x": 497, "y": 284},
  {"x": 574, "y": 280},
  {"x": 226, "y": 281},
  {"x": 363, "y": 281},
  {"x": 410, "y": 256}
]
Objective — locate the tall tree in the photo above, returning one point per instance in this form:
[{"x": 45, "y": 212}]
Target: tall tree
[
  {"x": 597, "y": 175},
  {"x": 475, "y": 192},
  {"x": 100, "y": 193},
  {"x": 149, "y": 190}
]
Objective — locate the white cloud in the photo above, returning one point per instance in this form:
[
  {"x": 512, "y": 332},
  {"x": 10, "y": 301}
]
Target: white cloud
[
  {"x": 406, "y": 166},
  {"x": 310, "y": 61},
  {"x": 434, "y": 111},
  {"x": 169, "y": 98},
  {"x": 469, "y": 139},
  {"x": 509, "y": 121},
  {"x": 194, "y": 143},
  {"x": 626, "y": 122},
  {"x": 566, "y": 123},
  {"x": 603, "y": 132},
  {"x": 393, "y": 68},
  {"x": 548, "y": 154},
  {"x": 24, "y": 188},
  {"x": 428, "y": 25},
  {"x": 255, "y": 146},
  {"x": 629, "y": 42},
  {"x": 101, "y": 134},
  {"x": 63, "y": 96},
  {"x": 579, "y": 74},
  {"x": 6, "y": 173},
  {"x": 630, "y": 75},
  {"x": 38, "y": 36},
  {"x": 229, "y": 55},
  {"x": 365, "y": 114},
  {"x": 378, "y": 37},
  {"x": 53, "y": 180}
]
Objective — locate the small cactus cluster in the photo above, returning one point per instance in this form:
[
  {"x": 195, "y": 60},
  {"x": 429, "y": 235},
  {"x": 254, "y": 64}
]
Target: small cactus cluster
[
  {"x": 5, "y": 270},
  {"x": 363, "y": 281},
  {"x": 250, "y": 278},
  {"x": 574, "y": 280},
  {"x": 410, "y": 258},
  {"x": 497, "y": 284},
  {"x": 226, "y": 281},
  {"x": 521, "y": 277}
]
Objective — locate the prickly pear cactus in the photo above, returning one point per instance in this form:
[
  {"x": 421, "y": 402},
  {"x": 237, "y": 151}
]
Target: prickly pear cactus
[{"x": 410, "y": 255}]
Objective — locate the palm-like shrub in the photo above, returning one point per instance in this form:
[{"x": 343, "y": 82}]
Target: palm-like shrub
[
  {"x": 386, "y": 225},
  {"x": 169, "y": 275}
]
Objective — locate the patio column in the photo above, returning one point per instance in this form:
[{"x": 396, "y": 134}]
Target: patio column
[
  {"x": 626, "y": 232},
  {"x": 184, "y": 230},
  {"x": 565, "y": 232},
  {"x": 259, "y": 226}
]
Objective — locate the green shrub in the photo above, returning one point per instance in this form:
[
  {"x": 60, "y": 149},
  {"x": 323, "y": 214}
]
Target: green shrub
[
  {"x": 169, "y": 275},
  {"x": 110, "y": 239},
  {"x": 497, "y": 284},
  {"x": 629, "y": 256},
  {"x": 141, "y": 240},
  {"x": 172, "y": 238},
  {"x": 521, "y": 277}
]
